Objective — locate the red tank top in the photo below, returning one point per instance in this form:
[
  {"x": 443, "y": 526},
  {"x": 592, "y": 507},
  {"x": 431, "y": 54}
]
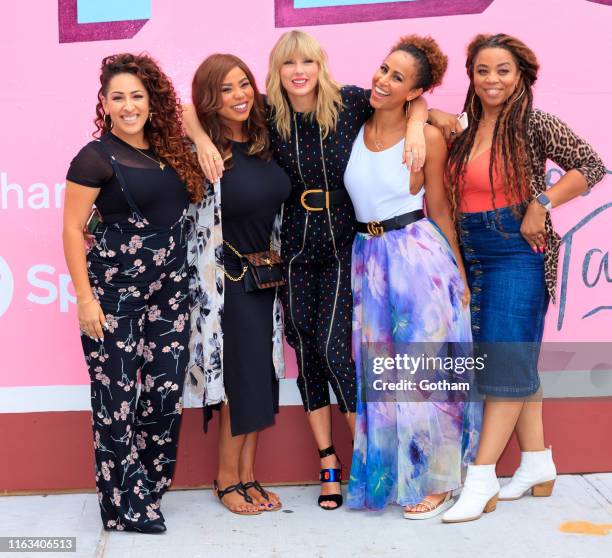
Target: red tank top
[{"x": 475, "y": 189}]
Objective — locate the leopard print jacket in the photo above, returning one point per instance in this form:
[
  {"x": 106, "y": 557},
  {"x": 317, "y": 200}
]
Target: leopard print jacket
[{"x": 550, "y": 138}]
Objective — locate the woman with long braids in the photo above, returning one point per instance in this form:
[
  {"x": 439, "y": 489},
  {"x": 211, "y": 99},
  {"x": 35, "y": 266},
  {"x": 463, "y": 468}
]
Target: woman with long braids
[
  {"x": 132, "y": 286},
  {"x": 496, "y": 183},
  {"x": 313, "y": 122}
]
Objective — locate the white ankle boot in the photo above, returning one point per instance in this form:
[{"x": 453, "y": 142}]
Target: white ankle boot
[
  {"x": 479, "y": 495},
  {"x": 536, "y": 472}
]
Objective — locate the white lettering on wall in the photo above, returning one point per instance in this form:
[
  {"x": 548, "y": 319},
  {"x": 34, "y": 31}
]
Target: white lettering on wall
[
  {"x": 7, "y": 286},
  {"x": 37, "y": 195},
  {"x": 43, "y": 277}
]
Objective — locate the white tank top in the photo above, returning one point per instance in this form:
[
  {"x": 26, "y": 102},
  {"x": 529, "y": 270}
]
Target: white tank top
[{"x": 379, "y": 183}]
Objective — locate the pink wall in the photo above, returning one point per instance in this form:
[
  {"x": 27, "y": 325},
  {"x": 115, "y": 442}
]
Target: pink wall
[{"x": 48, "y": 97}]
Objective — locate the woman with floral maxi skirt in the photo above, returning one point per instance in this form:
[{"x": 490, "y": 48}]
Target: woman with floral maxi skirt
[{"x": 409, "y": 290}]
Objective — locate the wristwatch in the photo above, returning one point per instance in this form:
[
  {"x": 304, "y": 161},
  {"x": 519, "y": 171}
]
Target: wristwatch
[{"x": 544, "y": 201}]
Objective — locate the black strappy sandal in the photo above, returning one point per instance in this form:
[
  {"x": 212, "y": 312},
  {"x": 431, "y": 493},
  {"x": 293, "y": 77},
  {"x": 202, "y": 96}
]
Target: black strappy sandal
[
  {"x": 330, "y": 475},
  {"x": 234, "y": 488},
  {"x": 255, "y": 484}
]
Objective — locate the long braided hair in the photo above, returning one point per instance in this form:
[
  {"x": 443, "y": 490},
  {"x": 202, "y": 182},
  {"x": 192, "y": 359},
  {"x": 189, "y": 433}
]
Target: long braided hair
[{"x": 510, "y": 155}]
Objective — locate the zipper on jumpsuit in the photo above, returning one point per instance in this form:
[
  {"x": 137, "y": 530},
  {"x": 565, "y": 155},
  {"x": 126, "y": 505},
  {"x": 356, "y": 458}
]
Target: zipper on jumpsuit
[
  {"x": 331, "y": 230},
  {"x": 297, "y": 154}
]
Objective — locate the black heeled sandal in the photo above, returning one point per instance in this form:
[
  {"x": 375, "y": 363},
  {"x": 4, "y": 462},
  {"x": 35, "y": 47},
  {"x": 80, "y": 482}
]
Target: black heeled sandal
[
  {"x": 234, "y": 488},
  {"x": 255, "y": 484},
  {"x": 330, "y": 475}
]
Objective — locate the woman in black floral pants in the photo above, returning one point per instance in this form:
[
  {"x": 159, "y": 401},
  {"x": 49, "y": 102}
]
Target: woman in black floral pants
[{"x": 133, "y": 285}]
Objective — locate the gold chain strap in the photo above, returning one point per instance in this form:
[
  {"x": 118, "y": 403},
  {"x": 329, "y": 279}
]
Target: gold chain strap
[{"x": 244, "y": 267}]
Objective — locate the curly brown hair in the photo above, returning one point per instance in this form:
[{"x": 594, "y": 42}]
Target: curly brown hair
[
  {"x": 207, "y": 100},
  {"x": 164, "y": 131},
  {"x": 510, "y": 133},
  {"x": 432, "y": 62}
]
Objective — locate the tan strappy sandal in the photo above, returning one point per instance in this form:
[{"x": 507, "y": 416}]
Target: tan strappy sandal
[{"x": 431, "y": 508}]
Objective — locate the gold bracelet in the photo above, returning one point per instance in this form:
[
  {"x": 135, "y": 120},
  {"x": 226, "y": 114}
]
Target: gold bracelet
[{"x": 87, "y": 301}]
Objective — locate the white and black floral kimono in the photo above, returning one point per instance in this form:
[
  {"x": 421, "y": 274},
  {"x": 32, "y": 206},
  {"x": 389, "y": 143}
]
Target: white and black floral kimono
[{"x": 204, "y": 380}]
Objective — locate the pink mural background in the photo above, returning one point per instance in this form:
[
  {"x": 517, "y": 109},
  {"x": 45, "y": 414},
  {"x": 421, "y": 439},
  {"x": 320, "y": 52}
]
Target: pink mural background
[{"x": 47, "y": 105}]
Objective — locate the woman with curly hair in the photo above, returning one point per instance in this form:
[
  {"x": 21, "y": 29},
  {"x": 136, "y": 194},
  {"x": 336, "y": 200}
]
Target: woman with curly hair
[
  {"x": 313, "y": 122},
  {"x": 409, "y": 290},
  {"x": 497, "y": 188},
  {"x": 236, "y": 344},
  {"x": 132, "y": 286}
]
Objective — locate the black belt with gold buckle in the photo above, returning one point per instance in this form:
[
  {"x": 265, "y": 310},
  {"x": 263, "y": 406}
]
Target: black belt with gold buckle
[
  {"x": 318, "y": 200},
  {"x": 378, "y": 228}
]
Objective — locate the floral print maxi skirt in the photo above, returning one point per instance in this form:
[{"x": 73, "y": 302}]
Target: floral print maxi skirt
[{"x": 407, "y": 289}]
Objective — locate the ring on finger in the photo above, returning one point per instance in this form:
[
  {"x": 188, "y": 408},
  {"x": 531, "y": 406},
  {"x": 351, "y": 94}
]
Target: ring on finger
[{"x": 215, "y": 157}]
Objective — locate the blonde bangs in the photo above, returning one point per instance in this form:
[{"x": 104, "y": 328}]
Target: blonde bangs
[
  {"x": 297, "y": 43},
  {"x": 329, "y": 100}
]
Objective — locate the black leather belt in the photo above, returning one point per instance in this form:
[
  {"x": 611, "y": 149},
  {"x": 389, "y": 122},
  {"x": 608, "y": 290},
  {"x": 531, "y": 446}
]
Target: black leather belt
[
  {"x": 318, "y": 200},
  {"x": 377, "y": 228}
]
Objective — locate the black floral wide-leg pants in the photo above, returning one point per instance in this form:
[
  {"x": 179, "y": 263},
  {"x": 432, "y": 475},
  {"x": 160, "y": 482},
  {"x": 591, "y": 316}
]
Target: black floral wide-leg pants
[
  {"x": 137, "y": 371},
  {"x": 139, "y": 275}
]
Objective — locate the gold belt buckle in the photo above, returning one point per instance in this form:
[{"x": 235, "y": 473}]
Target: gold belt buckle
[
  {"x": 375, "y": 228},
  {"x": 314, "y": 191}
]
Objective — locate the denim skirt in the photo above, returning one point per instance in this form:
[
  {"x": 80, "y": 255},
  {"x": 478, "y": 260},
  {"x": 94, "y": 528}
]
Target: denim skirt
[{"x": 509, "y": 301}]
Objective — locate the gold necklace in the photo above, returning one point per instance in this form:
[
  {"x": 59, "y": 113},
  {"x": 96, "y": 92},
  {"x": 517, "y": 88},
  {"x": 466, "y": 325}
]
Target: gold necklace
[
  {"x": 379, "y": 145},
  {"x": 162, "y": 165}
]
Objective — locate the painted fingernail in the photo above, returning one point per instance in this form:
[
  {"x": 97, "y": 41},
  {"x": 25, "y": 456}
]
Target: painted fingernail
[{"x": 534, "y": 248}]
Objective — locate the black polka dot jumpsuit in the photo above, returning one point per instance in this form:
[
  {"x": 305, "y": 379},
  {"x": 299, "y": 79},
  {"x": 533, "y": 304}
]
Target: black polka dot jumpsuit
[{"x": 316, "y": 248}]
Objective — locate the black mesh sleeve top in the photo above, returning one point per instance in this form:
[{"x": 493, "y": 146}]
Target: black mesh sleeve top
[{"x": 159, "y": 194}]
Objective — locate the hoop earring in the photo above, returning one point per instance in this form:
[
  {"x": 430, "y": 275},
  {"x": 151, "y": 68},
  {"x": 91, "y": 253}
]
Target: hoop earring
[
  {"x": 472, "y": 107},
  {"x": 407, "y": 109},
  {"x": 108, "y": 121},
  {"x": 520, "y": 95},
  {"x": 150, "y": 118}
]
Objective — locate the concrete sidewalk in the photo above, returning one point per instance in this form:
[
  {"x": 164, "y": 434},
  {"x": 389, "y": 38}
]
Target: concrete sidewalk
[{"x": 199, "y": 526}]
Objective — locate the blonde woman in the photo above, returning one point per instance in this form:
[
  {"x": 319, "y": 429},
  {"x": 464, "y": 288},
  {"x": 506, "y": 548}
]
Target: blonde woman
[{"x": 313, "y": 122}]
